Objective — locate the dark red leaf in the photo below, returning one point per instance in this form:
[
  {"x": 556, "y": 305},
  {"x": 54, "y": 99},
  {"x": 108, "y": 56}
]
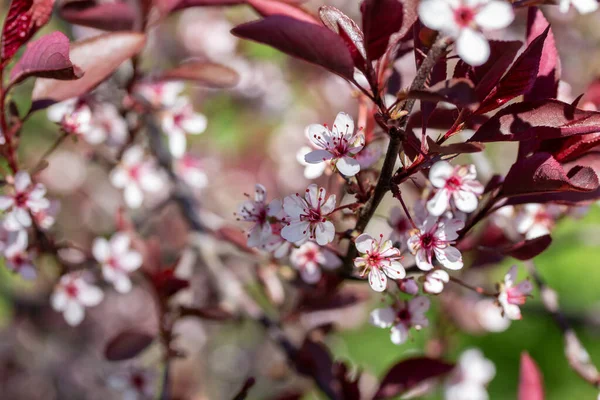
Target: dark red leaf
[
  {"x": 454, "y": 148},
  {"x": 47, "y": 57},
  {"x": 205, "y": 73},
  {"x": 541, "y": 173},
  {"x": 127, "y": 345},
  {"x": 527, "y": 249},
  {"x": 300, "y": 39},
  {"x": 274, "y": 7},
  {"x": 409, "y": 373},
  {"x": 531, "y": 386},
  {"x": 169, "y": 6},
  {"x": 572, "y": 147},
  {"x": 344, "y": 26},
  {"x": 24, "y": 19},
  {"x": 108, "y": 16},
  {"x": 455, "y": 91},
  {"x": 380, "y": 19}
]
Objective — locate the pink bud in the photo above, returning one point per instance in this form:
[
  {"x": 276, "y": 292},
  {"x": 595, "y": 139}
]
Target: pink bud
[{"x": 409, "y": 285}]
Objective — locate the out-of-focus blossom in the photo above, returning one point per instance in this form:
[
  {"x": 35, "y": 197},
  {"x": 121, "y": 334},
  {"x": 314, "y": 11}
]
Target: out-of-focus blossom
[
  {"x": 74, "y": 117},
  {"x": 337, "y": 146},
  {"x": 26, "y": 198},
  {"x": 402, "y": 316},
  {"x": 13, "y": 245},
  {"x": 136, "y": 175},
  {"x": 107, "y": 125},
  {"x": 310, "y": 258},
  {"x": 260, "y": 213},
  {"x": 400, "y": 225},
  {"x": 582, "y": 6},
  {"x": 378, "y": 258},
  {"x": 207, "y": 33},
  {"x": 369, "y": 155},
  {"x": 275, "y": 244},
  {"x": 47, "y": 217},
  {"x": 117, "y": 260},
  {"x": 311, "y": 171},
  {"x": 456, "y": 183},
  {"x": 469, "y": 379},
  {"x": 535, "y": 220},
  {"x": 434, "y": 239},
  {"x": 178, "y": 121},
  {"x": 72, "y": 294},
  {"x": 512, "y": 296},
  {"x": 490, "y": 317},
  {"x": 464, "y": 20},
  {"x": 435, "y": 281},
  {"x": 308, "y": 216},
  {"x": 191, "y": 170},
  {"x": 134, "y": 384},
  {"x": 160, "y": 94}
]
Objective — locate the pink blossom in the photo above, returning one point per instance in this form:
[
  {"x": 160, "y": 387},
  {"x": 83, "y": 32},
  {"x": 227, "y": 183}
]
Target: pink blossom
[
  {"x": 434, "y": 238},
  {"x": 13, "y": 245},
  {"x": 160, "y": 94},
  {"x": 117, "y": 260},
  {"x": 535, "y": 220},
  {"x": 400, "y": 225},
  {"x": 378, "y": 258},
  {"x": 310, "y": 258},
  {"x": 178, "y": 121},
  {"x": 72, "y": 294},
  {"x": 401, "y": 317},
  {"x": 435, "y": 281},
  {"x": 107, "y": 125},
  {"x": 261, "y": 214},
  {"x": 308, "y": 216},
  {"x": 25, "y": 200},
  {"x": 456, "y": 183},
  {"x": 191, "y": 170},
  {"x": 337, "y": 146},
  {"x": 512, "y": 296},
  {"x": 74, "y": 117}
]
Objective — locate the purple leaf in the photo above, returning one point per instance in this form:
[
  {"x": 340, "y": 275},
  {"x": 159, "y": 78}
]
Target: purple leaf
[
  {"x": 303, "y": 40},
  {"x": 47, "y": 57},
  {"x": 274, "y": 7},
  {"x": 380, "y": 19},
  {"x": 127, "y": 345},
  {"x": 205, "y": 73},
  {"x": 531, "y": 386},
  {"x": 528, "y": 249},
  {"x": 118, "y": 16},
  {"x": 341, "y": 24},
  {"x": 409, "y": 373},
  {"x": 454, "y": 148}
]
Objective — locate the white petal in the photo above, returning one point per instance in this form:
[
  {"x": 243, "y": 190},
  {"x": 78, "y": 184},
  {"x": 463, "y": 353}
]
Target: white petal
[
  {"x": 585, "y": 6},
  {"x": 133, "y": 156},
  {"x": 313, "y": 171},
  {"x": 74, "y": 313},
  {"x": 399, "y": 334},
  {"x": 324, "y": 233},
  {"x": 133, "y": 196},
  {"x": 122, "y": 283},
  {"x": 472, "y": 47},
  {"x": 314, "y": 195},
  {"x": 329, "y": 205},
  {"x": 377, "y": 280},
  {"x": 511, "y": 276},
  {"x": 311, "y": 273},
  {"x": 151, "y": 181},
  {"x": 100, "y": 249},
  {"x": 440, "y": 172},
  {"x": 22, "y": 215},
  {"x": 496, "y": 14},
  {"x": 316, "y": 134},
  {"x": 131, "y": 261},
  {"x": 438, "y": 204},
  {"x": 344, "y": 124},
  {"x": 317, "y": 156},
  {"x": 59, "y": 300},
  {"x": 331, "y": 261},
  {"x": 295, "y": 231},
  {"x": 437, "y": 15},
  {"x": 294, "y": 206},
  {"x": 274, "y": 207},
  {"x": 194, "y": 124},
  {"x": 348, "y": 166},
  {"x": 119, "y": 177},
  {"x": 177, "y": 144},
  {"x": 449, "y": 257},
  {"x": 395, "y": 270},
  {"x": 91, "y": 296},
  {"x": 6, "y": 202},
  {"x": 465, "y": 201},
  {"x": 364, "y": 243},
  {"x": 536, "y": 231},
  {"x": 382, "y": 317},
  {"x": 119, "y": 243},
  {"x": 22, "y": 181},
  {"x": 422, "y": 260}
]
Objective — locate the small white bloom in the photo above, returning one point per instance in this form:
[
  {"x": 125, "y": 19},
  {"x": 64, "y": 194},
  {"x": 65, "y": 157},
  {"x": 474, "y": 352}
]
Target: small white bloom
[
  {"x": 378, "y": 258},
  {"x": 435, "y": 281},
  {"x": 469, "y": 379},
  {"x": 72, "y": 294},
  {"x": 74, "y": 117},
  {"x": 191, "y": 170},
  {"x": 464, "y": 20},
  {"x": 259, "y": 212},
  {"x": 160, "y": 94},
  {"x": 434, "y": 238},
  {"x": 26, "y": 198},
  {"x": 117, "y": 260},
  {"x": 512, "y": 296},
  {"x": 456, "y": 183},
  {"x": 535, "y": 220},
  {"x": 310, "y": 258},
  {"x": 402, "y": 316},
  {"x": 582, "y": 6},
  {"x": 179, "y": 121}
]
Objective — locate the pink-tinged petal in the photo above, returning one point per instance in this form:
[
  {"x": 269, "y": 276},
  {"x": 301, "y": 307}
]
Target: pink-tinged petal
[
  {"x": 419, "y": 305},
  {"x": 101, "y": 250},
  {"x": 122, "y": 283},
  {"x": 399, "y": 334},
  {"x": 473, "y": 186},
  {"x": 255, "y": 236},
  {"x": 347, "y": 166},
  {"x": 324, "y": 233},
  {"x": 311, "y": 273},
  {"x": 449, "y": 229},
  {"x": 364, "y": 243},
  {"x": 536, "y": 231},
  {"x": 119, "y": 243},
  {"x": 151, "y": 180},
  {"x": 382, "y": 317},
  {"x": 56, "y": 112},
  {"x": 109, "y": 273},
  {"x": 23, "y": 217},
  {"x": 59, "y": 299},
  {"x": 394, "y": 270},
  {"x": 472, "y": 47},
  {"x": 525, "y": 287},
  {"x": 512, "y": 311},
  {"x": 449, "y": 257},
  {"x": 511, "y": 276},
  {"x": 274, "y": 207},
  {"x": 295, "y": 231},
  {"x": 316, "y": 133},
  {"x": 194, "y": 124},
  {"x": 294, "y": 206},
  {"x": 377, "y": 280},
  {"x": 465, "y": 201},
  {"x": 344, "y": 125},
  {"x": 317, "y": 156},
  {"x": 429, "y": 224},
  {"x": 6, "y": 202},
  {"x": 22, "y": 181},
  {"x": 413, "y": 243},
  {"x": 38, "y": 192},
  {"x": 313, "y": 194},
  {"x": 11, "y": 223},
  {"x": 439, "y": 173},
  {"x": 91, "y": 296},
  {"x": 119, "y": 177},
  {"x": 423, "y": 260},
  {"x": 329, "y": 205},
  {"x": 131, "y": 261},
  {"x": 177, "y": 143},
  {"x": 496, "y": 14},
  {"x": 133, "y": 195},
  {"x": 133, "y": 156},
  {"x": 260, "y": 193},
  {"x": 438, "y": 15},
  {"x": 438, "y": 204},
  {"x": 73, "y": 313},
  {"x": 330, "y": 260}
]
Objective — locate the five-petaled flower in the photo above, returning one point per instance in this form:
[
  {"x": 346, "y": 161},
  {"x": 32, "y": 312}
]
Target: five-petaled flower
[
  {"x": 310, "y": 258},
  {"x": 434, "y": 238},
  {"x": 337, "y": 146},
  {"x": 179, "y": 121},
  {"x": 261, "y": 213},
  {"x": 26, "y": 198},
  {"x": 117, "y": 260},
  {"x": 402, "y": 316},
  {"x": 378, "y": 258},
  {"x": 464, "y": 20},
  {"x": 456, "y": 183},
  {"x": 308, "y": 216},
  {"x": 72, "y": 294},
  {"x": 13, "y": 245},
  {"x": 512, "y": 296}
]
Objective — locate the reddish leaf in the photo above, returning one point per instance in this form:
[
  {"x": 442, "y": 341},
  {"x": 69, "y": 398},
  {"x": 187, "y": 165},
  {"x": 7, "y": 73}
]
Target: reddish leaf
[
  {"x": 531, "y": 386},
  {"x": 572, "y": 147},
  {"x": 520, "y": 77},
  {"x": 409, "y": 373},
  {"x": 127, "y": 345},
  {"x": 380, "y": 19},
  {"x": 98, "y": 57},
  {"x": 541, "y": 173},
  {"x": 111, "y": 16},
  {"x": 454, "y": 148},
  {"x": 300, "y": 39},
  {"x": 24, "y": 19},
  {"x": 546, "y": 83},
  {"x": 274, "y": 7},
  {"x": 528, "y": 249},
  {"x": 47, "y": 57},
  {"x": 545, "y": 119},
  {"x": 205, "y": 73},
  {"x": 344, "y": 26},
  {"x": 169, "y": 6}
]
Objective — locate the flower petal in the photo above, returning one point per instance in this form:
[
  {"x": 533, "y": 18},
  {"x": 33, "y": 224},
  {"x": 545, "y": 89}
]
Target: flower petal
[
  {"x": 465, "y": 201},
  {"x": 100, "y": 249},
  {"x": 317, "y": 156},
  {"x": 438, "y": 204},
  {"x": 496, "y": 14},
  {"x": 364, "y": 243},
  {"x": 472, "y": 47},
  {"x": 377, "y": 280},
  {"x": 324, "y": 233},
  {"x": 347, "y": 166},
  {"x": 394, "y": 270},
  {"x": 382, "y": 317},
  {"x": 295, "y": 231},
  {"x": 344, "y": 125},
  {"x": 399, "y": 334},
  {"x": 439, "y": 173},
  {"x": 449, "y": 257},
  {"x": 438, "y": 15}
]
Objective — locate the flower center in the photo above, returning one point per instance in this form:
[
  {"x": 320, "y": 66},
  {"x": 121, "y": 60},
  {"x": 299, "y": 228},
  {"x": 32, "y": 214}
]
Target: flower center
[
  {"x": 72, "y": 290},
  {"x": 453, "y": 183},
  {"x": 404, "y": 315},
  {"x": 427, "y": 240},
  {"x": 137, "y": 381},
  {"x": 514, "y": 296},
  {"x": 312, "y": 216},
  {"x": 21, "y": 199},
  {"x": 464, "y": 16}
]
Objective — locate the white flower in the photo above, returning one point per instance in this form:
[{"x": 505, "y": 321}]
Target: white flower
[
  {"x": 337, "y": 146},
  {"x": 135, "y": 175},
  {"x": 535, "y": 220},
  {"x": 511, "y": 296},
  {"x": 470, "y": 377},
  {"x": 25, "y": 199},
  {"x": 160, "y": 94},
  {"x": 13, "y": 245},
  {"x": 74, "y": 117},
  {"x": 378, "y": 259},
  {"x": 435, "y": 281},
  {"x": 117, "y": 260},
  {"x": 134, "y": 384},
  {"x": 179, "y": 121},
  {"x": 47, "y": 217},
  {"x": 107, "y": 125},
  {"x": 310, "y": 258},
  {"x": 402, "y": 316},
  {"x": 582, "y": 6},
  {"x": 311, "y": 171},
  {"x": 456, "y": 183},
  {"x": 434, "y": 238},
  {"x": 308, "y": 216},
  {"x": 464, "y": 20},
  {"x": 191, "y": 170},
  {"x": 259, "y": 212},
  {"x": 72, "y": 294}
]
